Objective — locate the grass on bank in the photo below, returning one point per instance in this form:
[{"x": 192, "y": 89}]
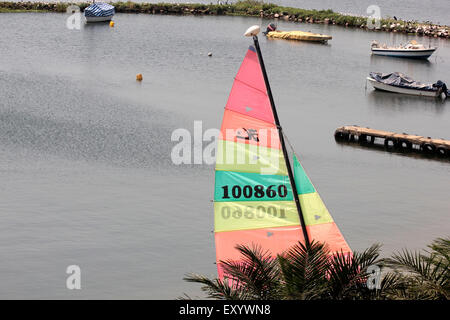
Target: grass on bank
[{"x": 252, "y": 8}]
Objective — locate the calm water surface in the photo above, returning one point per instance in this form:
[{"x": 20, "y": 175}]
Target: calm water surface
[{"x": 85, "y": 169}]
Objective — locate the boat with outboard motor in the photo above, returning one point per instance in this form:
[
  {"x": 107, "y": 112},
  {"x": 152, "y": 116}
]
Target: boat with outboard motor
[{"x": 400, "y": 83}]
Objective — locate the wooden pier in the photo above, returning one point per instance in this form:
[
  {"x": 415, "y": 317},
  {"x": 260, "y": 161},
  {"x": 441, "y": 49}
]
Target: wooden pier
[{"x": 392, "y": 140}]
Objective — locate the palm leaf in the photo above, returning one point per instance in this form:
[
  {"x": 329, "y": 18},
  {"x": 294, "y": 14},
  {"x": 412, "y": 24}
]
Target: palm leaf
[
  {"x": 304, "y": 269},
  {"x": 348, "y": 273},
  {"x": 257, "y": 272},
  {"x": 217, "y": 288}
]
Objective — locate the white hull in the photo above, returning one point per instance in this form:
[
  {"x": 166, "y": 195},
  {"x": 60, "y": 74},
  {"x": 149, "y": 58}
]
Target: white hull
[
  {"x": 404, "y": 53},
  {"x": 98, "y": 19},
  {"x": 386, "y": 87}
]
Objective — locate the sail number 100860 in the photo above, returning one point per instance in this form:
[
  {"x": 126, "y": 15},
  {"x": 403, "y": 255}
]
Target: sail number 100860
[{"x": 257, "y": 191}]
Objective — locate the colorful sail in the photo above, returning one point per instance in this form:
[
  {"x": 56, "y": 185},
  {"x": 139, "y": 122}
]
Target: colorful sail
[
  {"x": 319, "y": 223},
  {"x": 253, "y": 198}
]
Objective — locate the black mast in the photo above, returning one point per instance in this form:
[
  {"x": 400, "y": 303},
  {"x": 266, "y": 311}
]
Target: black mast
[{"x": 283, "y": 146}]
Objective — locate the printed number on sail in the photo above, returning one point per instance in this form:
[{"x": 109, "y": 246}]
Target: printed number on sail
[
  {"x": 257, "y": 191},
  {"x": 259, "y": 212}
]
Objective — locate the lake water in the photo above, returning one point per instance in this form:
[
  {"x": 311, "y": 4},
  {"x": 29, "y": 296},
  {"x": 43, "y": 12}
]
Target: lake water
[{"x": 85, "y": 169}]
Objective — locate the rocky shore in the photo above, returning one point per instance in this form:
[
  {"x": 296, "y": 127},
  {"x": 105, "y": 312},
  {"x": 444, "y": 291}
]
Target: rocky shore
[{"x": 248, "y": 8}]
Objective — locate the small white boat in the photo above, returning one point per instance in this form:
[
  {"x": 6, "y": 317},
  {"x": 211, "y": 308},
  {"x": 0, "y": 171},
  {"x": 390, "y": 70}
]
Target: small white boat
[
  {"x": 399, "y": 83},
  {"x": 98, "y": 12},
  {"x": 410, "y": 50}
]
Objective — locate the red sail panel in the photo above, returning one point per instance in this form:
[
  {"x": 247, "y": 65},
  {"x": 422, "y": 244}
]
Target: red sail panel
[
  {"x": 237, "y": 127},
  {"x": 249, "y": 95}
]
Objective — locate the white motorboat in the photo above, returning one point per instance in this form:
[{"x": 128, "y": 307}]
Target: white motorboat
[
  {"x": 399, "y": 83},
  {"x": 410, "y": 50}
]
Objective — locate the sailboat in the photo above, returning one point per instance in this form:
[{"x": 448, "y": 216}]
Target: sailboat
[{"x": 259, "y": 198}]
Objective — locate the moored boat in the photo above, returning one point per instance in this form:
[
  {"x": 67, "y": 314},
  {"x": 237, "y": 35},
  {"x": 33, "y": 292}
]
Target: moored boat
[
  {"x": 397, "y": 82},
  {"x": 298, "y": 35},
  {"x": 410, "y": 50},
  {"x": 98, "y": 12}
]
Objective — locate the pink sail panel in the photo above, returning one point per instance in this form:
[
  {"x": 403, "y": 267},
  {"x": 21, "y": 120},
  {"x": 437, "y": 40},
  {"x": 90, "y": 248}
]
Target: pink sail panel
[
  {"x": 249, "y": 94},
  {"x": 240, "y": 128}
]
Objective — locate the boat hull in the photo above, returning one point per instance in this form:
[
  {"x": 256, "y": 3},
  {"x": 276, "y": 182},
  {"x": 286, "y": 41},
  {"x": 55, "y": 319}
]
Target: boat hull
[
  {"x": 299, "y": 36},
  {"x": 404, "y": 53},
  {"x": 385, "y": 87},
  {"x": 99, "y": 19}
]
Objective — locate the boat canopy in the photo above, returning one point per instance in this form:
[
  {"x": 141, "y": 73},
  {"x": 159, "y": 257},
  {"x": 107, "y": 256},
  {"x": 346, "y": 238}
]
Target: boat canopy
[
  {"x": 400, "y": 80},
  {"x": 99, "y": 9}
]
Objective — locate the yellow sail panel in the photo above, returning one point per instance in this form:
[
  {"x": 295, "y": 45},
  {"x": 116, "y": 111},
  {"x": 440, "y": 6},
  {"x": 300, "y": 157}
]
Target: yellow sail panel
[
  {"x": 244, "y": 157},
  {"x": 313, "y": 208},
  {"x": 245, "y": 215}
]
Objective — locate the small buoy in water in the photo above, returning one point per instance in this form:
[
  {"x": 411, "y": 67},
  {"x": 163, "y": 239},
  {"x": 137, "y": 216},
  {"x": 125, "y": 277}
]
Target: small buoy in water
[
  {"x": 209, "y": 54},
  {"x": 139, "y": 77},
  {"x": 111, "y": 24}
]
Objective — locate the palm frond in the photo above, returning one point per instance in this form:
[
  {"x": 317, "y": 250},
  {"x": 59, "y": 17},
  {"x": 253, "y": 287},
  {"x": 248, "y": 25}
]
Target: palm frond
[
  {"x": 348, "y": 273},
  {"x": 428, "y": 274},
  {"x": 217, "y": 288},
  {"x": 257, "y": 271},
  {"x": 304, "y": 269}
]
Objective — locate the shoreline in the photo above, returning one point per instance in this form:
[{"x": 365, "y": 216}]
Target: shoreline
[{"x": 249, "y": 8}]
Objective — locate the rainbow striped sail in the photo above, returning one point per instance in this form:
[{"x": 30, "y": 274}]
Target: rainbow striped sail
[{"x": 253, "y": 199}]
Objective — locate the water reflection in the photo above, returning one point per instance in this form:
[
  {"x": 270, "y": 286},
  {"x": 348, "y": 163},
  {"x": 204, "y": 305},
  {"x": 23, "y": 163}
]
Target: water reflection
[
  {"x": 378, "y": 61},
  {"x": 380, "y": 148},
  {"x": 397, "y": 102}
]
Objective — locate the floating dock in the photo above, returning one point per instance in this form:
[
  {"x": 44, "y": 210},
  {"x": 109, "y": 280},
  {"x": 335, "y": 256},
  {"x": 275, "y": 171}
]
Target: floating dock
[{"x": 392, "y": 140}]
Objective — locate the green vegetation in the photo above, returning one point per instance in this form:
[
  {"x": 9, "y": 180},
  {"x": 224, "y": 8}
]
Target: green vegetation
[
  {"x": 245, "y": 8},
  {"x": 306, "y": 273}
]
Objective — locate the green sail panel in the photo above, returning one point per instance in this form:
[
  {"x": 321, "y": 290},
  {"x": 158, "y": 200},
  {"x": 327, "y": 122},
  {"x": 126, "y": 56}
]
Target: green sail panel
[
  {"x": 245, "y": 215},
  {"x": 302, "y": 181},
  {"x": 248, "y": 186},
  {"x": 244, "y": 157}
]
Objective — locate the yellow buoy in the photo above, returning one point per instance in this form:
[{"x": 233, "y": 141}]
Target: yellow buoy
[
  {"x": 139, "y": 77},
  {"x": 111, "y": 24}
]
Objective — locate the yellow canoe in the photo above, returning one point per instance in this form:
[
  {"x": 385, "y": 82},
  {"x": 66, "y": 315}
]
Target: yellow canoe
[{"x": 299, "y": 35}]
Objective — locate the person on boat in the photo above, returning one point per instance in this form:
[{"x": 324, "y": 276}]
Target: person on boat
[
  {"x": 271, "y": 27},
  {"x": 442, "y": 89}
]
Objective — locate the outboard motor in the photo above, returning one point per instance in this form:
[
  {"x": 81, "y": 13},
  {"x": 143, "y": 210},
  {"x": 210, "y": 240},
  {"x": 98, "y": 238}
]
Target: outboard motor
[
  {"x": 442, "y": 89},
  {"x": 270, "y": 27}
]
